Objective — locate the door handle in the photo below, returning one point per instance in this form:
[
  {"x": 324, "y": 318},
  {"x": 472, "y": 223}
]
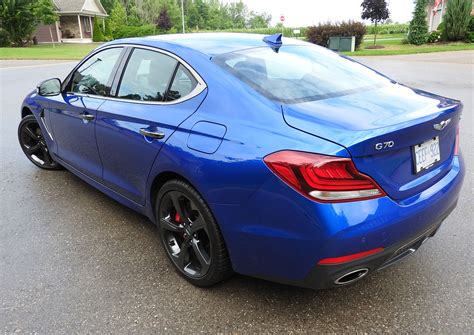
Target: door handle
[
  {"x": 153, "y": 134},
  {"x": 86, "y": 116}
]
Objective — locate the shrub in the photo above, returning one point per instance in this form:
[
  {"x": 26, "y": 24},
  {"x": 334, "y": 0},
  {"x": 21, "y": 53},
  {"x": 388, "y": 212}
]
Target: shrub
[
  {"x": 457, "y": 19},
  {"x": 321, "y": 33},
  {"x": 135, "y": 31},
  {"x": 4, "y": 38},
  {"x": 418, "y": 31},
  {"x": 471, "y": 24},
  {"x": 108, "y": 31},
  {"x": 97, "y": 34},
  {"x": 470, "y": 37},
  {"x": 434, "y": 37}
]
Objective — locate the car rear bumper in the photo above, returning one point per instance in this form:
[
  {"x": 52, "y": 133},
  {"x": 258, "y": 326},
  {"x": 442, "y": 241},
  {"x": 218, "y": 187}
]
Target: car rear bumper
[
  {"x": 281, "y": 236},
  {"x": 330, "y": 276}
]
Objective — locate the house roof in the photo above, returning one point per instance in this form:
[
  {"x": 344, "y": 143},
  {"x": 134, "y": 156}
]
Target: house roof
[{"x": 93, "y": 7}]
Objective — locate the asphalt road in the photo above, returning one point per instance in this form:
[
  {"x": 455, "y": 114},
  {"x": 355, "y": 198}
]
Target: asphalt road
[{"x": 73, "y": 260}]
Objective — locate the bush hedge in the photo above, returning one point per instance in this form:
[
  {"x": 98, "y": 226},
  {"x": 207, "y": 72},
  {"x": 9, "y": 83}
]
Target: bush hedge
[
  {"x": 4, "y": 38},
  {"x": 434, "y": 37},
  {"x": 457, "y": 19},
  {"x": 135, "y": 31},
  {"x": 321, "y": 33}
]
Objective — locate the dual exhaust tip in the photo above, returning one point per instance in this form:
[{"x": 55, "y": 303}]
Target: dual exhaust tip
[{"x": 352, "y": 277}]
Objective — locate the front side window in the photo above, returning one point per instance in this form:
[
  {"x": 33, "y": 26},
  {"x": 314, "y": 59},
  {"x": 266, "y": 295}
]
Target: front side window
[
  {"x": 147, "y": 76},
  {"x": 297, "y": 74},
  {"x": 95, "y": 75}
]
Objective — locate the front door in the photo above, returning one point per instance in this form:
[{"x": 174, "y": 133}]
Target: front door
[
  {"x": 156, "y": 94},
  {"x": 73, "y": 113}
]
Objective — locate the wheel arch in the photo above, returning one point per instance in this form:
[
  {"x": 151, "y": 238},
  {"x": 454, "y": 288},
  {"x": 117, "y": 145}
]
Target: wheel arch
[
  {"x": 25, "y": 111},
  {"x": 159, "y": 181}
]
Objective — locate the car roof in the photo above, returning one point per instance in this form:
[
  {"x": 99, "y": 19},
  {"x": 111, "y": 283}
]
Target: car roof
[{"x": 210, "y": 44}]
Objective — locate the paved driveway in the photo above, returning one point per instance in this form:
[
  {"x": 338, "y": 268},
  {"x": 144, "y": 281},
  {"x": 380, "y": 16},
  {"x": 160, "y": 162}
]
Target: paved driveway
[{"x": 73, "y": 260}]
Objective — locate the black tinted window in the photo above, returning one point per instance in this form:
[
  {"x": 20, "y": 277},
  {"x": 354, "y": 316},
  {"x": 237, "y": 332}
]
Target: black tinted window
[
  {"x": 94, "y": 76},
  {"x": 183, "y": 84},
  {"x": 147, "y": 76}
]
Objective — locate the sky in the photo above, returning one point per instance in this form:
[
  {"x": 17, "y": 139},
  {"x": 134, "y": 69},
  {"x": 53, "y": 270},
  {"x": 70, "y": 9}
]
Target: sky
[{"x": 308, "y": 12}]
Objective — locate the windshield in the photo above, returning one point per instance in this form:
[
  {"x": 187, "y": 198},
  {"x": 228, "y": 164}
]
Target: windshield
[{"x": 299, "y": 73}]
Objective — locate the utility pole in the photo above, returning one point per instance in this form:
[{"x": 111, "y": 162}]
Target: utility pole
[{"x": 182, "y": 15}]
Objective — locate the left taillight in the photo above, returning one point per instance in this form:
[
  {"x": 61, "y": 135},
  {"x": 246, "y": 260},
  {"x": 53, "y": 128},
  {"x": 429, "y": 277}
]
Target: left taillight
[{"x": 323, "y": 178}]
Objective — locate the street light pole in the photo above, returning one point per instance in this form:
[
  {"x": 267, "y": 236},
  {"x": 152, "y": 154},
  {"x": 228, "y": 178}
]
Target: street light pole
[{"x": 182, "y": 15}]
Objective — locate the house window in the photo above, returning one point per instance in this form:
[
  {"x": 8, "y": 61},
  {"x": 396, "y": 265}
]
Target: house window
[{"x": 86, "y": 23}]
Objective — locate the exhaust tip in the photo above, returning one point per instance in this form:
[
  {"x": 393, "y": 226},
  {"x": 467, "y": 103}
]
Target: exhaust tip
[{"x": 352, "y": 277}]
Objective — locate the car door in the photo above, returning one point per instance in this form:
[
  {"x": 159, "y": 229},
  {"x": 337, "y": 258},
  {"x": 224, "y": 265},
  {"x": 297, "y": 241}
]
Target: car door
[
  {"x": 73, "y": 113},
  {"x": 156, "y": 92}
]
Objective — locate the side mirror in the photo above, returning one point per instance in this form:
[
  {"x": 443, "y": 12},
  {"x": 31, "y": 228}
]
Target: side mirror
[{"x": 49, "y": 87}]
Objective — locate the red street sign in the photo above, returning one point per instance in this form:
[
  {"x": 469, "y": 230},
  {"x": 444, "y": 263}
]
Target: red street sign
[{"x": 282, "y": 18}]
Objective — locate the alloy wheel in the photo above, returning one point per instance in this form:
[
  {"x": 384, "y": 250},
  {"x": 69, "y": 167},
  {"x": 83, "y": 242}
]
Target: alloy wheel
[
  {"x": 184, "y": 234},
  {"x": 34, "y": 145}
]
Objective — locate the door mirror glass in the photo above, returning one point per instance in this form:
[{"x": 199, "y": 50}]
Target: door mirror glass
[{"x": 49, "y": 87}]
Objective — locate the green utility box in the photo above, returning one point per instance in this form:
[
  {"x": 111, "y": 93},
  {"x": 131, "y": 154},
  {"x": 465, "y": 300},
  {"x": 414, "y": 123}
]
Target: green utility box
[{"x": 342, "y": 43}]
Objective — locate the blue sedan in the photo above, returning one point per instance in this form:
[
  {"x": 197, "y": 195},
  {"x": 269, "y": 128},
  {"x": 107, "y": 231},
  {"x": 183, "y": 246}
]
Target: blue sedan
[{"x": 269, "y": 157}]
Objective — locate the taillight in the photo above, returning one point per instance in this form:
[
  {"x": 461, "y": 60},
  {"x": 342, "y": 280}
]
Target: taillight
[
  {"x": 323, "y": 178},
  {"x": 456, "y": 144}
]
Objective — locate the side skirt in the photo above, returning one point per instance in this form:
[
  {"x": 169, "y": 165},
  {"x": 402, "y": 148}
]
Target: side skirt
[{"x": 104, "y": 189}]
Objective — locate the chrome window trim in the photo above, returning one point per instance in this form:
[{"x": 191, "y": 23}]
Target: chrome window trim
[{"x": 200, "y": 87}]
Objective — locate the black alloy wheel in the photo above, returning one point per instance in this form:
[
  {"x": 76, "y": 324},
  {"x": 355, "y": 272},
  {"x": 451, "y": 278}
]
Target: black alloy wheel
[
  {"x": 190, "y": 235},
  {"x": 34, "y": 145}
]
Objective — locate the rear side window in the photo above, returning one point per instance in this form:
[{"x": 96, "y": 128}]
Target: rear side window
[
  {"x": 183, "y": 84},
  {"x": 297, "y": 74},
  {"x": 95, "y": 75},
  {"x": 147, "y": 76}
]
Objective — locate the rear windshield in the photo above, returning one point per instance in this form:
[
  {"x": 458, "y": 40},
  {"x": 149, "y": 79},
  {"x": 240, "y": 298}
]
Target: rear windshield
[{"x": 299, "y": 73}]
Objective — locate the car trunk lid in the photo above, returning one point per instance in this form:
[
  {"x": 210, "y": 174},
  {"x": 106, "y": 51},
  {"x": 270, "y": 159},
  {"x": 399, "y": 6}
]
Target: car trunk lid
[{"x": 379, "y": 127}]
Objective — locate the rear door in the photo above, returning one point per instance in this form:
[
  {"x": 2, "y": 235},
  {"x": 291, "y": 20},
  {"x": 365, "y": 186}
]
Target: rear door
[
  {"x": 156, "y": 92},
  {"x": 73, "y": 113}
]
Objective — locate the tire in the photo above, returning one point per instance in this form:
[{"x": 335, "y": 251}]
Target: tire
[
  {"x": 33, "y": 144},
  {"x": 190, "y": 235}
]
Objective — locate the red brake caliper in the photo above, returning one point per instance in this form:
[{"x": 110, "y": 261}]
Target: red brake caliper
[{"x": 177, "y": 219}]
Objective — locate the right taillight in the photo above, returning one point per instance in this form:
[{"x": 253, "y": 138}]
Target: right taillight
[
  {"x": 323, "y": 178},
  {"x": 456, "y": 143}
]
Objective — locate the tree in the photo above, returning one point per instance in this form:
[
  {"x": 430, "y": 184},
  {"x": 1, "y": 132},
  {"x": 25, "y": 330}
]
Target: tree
[
  {"x": 418, "y": 30},
  {"x": 259, "y": 20},
  {"x": 376, "y": 11},
  {"x": 19, "y": 18},
  {"x": 118, "y": 16},
  {"x": 457, "y": 19},
  {"x": 238, "y": 13},
  {"x": 163, "y": 22},
  {"x": 46, "y": 12}
]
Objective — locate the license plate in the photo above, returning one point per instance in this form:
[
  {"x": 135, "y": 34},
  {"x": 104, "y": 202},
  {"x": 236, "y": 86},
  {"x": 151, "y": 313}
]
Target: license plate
[{"x": 426, "y": 154}]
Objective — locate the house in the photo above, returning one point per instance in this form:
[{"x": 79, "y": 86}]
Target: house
[
  {"x": 436, "y": 10},
  {"x": 75, "y": 24}
]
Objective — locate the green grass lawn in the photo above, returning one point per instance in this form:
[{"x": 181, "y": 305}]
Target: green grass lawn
[
  {"x": 384, "y": 37},
  {"x": 396, "y": 47},
  {"x": 46, "y": 51}
]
